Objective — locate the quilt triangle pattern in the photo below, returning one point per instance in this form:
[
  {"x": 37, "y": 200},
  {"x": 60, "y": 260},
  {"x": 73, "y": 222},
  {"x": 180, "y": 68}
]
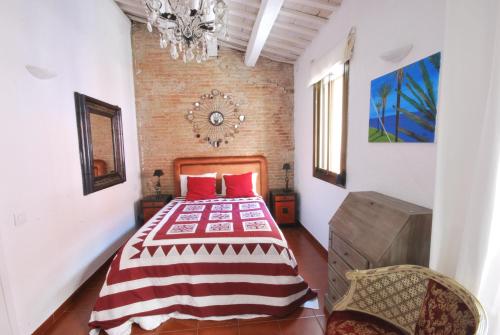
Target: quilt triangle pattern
[{"x": 256, "y": 249}]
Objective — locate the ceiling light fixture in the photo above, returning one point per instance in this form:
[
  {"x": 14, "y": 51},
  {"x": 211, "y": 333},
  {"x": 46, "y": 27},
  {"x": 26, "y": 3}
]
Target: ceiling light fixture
[{"x": 191, "y": 27}]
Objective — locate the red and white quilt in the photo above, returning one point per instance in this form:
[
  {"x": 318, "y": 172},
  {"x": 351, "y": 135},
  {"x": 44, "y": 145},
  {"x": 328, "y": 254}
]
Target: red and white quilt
[{"x": 209, "y": 259}]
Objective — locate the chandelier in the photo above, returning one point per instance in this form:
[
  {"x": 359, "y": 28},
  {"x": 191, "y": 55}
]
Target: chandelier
[{"x": 190, "y": 27}]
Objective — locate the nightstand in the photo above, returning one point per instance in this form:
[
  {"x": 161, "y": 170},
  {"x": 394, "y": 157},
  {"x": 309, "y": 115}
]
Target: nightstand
[
  {"x": 283, "y": 206},
  {"x": 151, "y": 204}
]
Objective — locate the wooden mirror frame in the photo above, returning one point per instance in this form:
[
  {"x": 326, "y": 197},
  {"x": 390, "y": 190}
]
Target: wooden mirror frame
[{"x": 84, "y": 106}]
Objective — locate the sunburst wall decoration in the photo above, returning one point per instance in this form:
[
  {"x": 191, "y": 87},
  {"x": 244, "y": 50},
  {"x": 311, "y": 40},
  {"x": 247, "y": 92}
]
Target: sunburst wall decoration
[{"x": 216, "y": 118}]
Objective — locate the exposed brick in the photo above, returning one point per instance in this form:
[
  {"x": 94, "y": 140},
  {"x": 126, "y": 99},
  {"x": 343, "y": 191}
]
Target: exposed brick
[
  {"x": 165, "y": 89},
  {"x": 102, "y": 140}
]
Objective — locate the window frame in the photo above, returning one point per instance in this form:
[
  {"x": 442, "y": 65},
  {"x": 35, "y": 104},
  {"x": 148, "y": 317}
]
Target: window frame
[{"x": 325, "y": 175}]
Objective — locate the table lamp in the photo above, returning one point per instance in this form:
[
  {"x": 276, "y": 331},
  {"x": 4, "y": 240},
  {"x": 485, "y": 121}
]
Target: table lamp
[
  {"x": 158, "y": 173},
  {"x": 286, "y": 167}
]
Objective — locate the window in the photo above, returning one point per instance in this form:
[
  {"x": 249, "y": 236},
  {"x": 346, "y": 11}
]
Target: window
[{"x": 330, "y": 125}]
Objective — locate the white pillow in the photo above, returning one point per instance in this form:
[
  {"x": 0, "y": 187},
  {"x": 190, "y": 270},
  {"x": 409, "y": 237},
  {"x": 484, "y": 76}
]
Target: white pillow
[
  {"x": 254, "y": 182},
  {"x": 184, "y": 180}
]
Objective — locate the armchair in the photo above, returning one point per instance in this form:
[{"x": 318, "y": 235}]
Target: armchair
[{"x": 406, "y": 299}]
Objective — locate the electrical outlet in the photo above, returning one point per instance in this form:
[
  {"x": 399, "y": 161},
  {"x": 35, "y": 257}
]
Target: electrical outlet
[{"x": 19, "y": 219}]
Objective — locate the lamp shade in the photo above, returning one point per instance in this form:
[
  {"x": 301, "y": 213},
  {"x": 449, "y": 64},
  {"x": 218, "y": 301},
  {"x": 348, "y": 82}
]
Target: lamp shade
[
  {"x": 158, "y": 173},
  {"x": 286, "y": 166}
]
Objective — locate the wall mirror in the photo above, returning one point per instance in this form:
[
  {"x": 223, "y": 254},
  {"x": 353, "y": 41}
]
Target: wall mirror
[{"x": 101, "y": 143}]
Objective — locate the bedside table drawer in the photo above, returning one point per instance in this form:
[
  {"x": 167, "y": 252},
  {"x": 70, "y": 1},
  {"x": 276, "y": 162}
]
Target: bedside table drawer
[
  {"x": 284, "y": 197},
  {"x": 153, "y": 204},
  {"x": 285, "y": 212},
  {"x": 149, "y": 212},
  {"x": 150, "y": 205}
]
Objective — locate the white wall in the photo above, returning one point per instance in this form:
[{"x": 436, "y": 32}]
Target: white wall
[
  {"x": 405, "y": 171},
  {"x": 61, "y": 237},
  {"x": 467, "y": 166},
  {"x": 5, "y": 327}
]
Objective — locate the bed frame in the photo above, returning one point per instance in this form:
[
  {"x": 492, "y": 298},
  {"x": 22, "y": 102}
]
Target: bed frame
[{"x": 227, "y": 164}]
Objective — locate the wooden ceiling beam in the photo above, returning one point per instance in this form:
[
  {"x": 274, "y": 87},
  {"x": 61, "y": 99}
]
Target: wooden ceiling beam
[
  {"x": 242, "y": 14},
  {"x": 295, "y": 40},
  {"x": 322, "y": 5},
  {"x": 137, "y": 18},
  {"x": 281, "y": 52},
  {"x": 266, "y": 54},
  {"x": 238, "y": 34},
  {"x": 249, "y": 3},
  {"x": 240, "y": 24},
  {"x": 136, "y": 11},
  {"x": 277, "y": 58},
  {"x": 278, "y": 44},
  {"x": 236, "y": 41},
  {"x": 306, "y": 32},
  {"x": 133, "y": 3},
  {"x": 301, "y": 16},
  {"x": 268, "y": 13},
  {"x": 268, "y": 28}
]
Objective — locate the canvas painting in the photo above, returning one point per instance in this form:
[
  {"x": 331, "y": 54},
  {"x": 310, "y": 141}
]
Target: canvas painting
[{"x": 403, "y": 103}]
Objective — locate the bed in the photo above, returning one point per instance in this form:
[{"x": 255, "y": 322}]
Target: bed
[{"x": 214, "y": 259}]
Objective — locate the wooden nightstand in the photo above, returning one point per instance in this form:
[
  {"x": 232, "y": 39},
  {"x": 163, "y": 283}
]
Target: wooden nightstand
[
  {"x": 151, "y": 204},
  {"x": 283, "y": 206}
]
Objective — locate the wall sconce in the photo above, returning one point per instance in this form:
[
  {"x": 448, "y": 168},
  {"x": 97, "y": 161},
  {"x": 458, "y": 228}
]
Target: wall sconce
[
  {"x": 396, "y": 55},
  {"x": 40, "y": 73},
  {"x": 157, "y": 188},
  {"x": 286, "y": 167}
]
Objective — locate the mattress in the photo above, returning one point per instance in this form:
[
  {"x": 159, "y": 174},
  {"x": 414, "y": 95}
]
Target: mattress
[{"x": 211, "y": 259}]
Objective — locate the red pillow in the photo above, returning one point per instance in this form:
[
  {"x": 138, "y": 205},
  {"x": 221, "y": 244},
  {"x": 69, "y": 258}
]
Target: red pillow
[
  {"x": 200, "y": 188},
  {"x": 239, "y": 185}
]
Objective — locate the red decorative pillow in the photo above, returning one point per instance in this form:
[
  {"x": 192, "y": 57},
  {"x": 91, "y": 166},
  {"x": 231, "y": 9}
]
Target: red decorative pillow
[
  {"x": 239, "y": 185},
  {"x": 200, "y": 188}
]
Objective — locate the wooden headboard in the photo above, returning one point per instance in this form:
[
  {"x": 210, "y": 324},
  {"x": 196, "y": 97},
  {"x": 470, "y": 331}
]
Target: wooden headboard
[{"x": 227, "y": 164}]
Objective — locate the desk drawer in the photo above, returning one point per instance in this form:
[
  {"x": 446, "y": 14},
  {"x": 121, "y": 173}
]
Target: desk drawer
[
  {"x": 336, "y": 280},
  {"x": 332, "y": 297},
  {"x": 338, "y": 264},
  {"x": 330, "y": 238},
  {"x": 353, "y": 258}
]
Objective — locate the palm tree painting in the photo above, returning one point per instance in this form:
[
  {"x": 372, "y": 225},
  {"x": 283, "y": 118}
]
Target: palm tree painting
[{"x": 403, "y": 103}]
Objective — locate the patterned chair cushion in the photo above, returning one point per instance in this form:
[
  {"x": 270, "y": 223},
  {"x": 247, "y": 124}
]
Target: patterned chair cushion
[
  {"x": 357, "y": 323},
  {"x": 444, "y": 313}
]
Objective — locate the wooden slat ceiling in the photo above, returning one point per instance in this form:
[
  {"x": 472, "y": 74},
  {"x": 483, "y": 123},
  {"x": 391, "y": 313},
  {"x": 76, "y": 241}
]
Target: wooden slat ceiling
[{"x": 297, "y": 24}]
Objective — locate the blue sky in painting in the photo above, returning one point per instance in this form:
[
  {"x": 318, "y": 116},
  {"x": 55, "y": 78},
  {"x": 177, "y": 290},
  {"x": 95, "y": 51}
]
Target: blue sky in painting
[{"x": 390, "y": 78}]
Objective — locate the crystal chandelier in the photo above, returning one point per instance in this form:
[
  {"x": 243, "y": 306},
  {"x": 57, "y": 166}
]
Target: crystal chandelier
[{"x": 190, "y": 27}]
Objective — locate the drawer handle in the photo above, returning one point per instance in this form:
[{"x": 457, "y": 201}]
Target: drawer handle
[
  {"x": 346, "y": 253},
  {"x": 334, "y": 262},
  {"x": 333, "y": 279}
]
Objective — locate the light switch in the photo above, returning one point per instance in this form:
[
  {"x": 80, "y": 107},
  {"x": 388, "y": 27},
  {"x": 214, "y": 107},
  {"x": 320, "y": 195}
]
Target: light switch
[{"x": 19, "y": 219}]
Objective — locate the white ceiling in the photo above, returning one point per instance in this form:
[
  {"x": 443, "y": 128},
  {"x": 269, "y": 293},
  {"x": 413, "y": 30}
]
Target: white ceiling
[{"x": 296, "y": 24}]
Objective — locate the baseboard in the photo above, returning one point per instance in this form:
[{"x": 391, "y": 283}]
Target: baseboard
[
  {"x": 45, "y": 326},
  {"x": 317, "y": 245}
]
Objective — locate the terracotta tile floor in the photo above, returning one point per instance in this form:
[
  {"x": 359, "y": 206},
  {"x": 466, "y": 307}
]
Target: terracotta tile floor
[{"x": 312, "y": 266}]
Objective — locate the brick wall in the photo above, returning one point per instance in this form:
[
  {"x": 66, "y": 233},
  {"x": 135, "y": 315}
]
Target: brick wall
[
  {"x": 102, "y": 140},
  {"x": 165, "y": 90}
]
